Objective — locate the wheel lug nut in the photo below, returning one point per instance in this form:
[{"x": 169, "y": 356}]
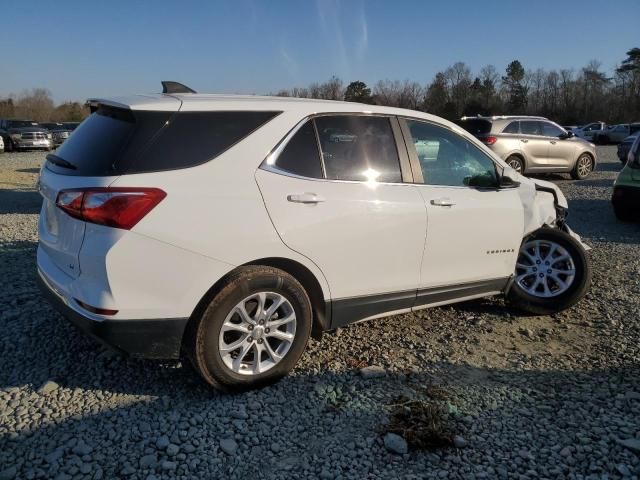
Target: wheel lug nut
[
  {"x": 549, "y": 271},
  {"x": 261, "y": 322},
  {"x": 267, "y": 330},
  {"x": 249, "y": 339},
  {"x": 250, "y": 327},
  {"x": 260, "y": 340}
]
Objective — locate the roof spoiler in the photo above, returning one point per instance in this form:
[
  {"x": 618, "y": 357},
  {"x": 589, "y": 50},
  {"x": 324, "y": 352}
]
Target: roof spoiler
[{"x": 175, "y": 87}]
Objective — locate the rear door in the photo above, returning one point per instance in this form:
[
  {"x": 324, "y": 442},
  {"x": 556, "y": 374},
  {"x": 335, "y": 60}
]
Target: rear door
[
  {"x": 534, "y": 145},
  {"x": 474, "y": 229},
  {"x": 336, "y": 193}
]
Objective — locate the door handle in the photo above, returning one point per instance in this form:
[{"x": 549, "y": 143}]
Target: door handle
[
  {"x": 442, "y": 202},
  {"x": 524, "y": 140},
  {"x": 552, "y": 142},
  {"x": 310, "y": 198}
]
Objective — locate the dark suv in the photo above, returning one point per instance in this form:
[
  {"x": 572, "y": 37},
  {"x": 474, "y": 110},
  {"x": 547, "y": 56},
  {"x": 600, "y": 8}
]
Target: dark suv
[
  {"x": 24, "y": 135},
  {"x": 59, "y": 131}
]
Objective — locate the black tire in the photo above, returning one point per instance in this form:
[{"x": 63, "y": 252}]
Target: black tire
[
  {"x": 522, "y": 300},
  {"x": 202, "y": 344},
  {"x": 516, "y": 162},
  {"x": 576, "y": 173},
  {"x": 623, "y": 212}
]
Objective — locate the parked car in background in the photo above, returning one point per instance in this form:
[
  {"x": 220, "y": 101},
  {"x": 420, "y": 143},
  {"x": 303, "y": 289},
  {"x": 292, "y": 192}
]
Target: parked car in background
[
  {"x": 534, "y": 144},
  {"x": 589, "y": 130},
  {"x": 626, "y": 188},
  {"x": 624, "y": 147},
  {"x": 338, "y": 229},
  {"x": 71, "y": 126},
  {"x": 59, "y": 132},
  {"x": 24, "y": 135},
  {"x": 570, "y": 128},
  {"x": 1, "y": 145},
  {"x": 617, "y": 133}
]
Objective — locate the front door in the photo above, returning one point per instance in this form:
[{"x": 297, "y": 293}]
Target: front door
[
  {"x": 474, "y": 230},
  {"x": 534, "y": 145},
  {"x": 562, "y": 153},
  {"x": 346, "y": 208}
]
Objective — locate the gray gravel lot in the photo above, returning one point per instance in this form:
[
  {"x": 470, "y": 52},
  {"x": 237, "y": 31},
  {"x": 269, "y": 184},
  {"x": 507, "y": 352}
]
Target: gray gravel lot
[{"x": 530, "y": 397}]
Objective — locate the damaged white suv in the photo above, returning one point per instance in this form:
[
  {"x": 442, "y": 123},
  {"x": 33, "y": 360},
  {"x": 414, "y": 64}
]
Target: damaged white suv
[{"x": 230, "y": 229}]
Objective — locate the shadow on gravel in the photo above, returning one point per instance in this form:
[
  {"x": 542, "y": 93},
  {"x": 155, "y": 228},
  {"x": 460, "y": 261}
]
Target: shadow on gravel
[
  {"x": 28, "y": 170},
  {"x": 312, "y": 419},
  {"x": 20, "y": 201},
  {"x": 600, "y": 182},
  {"x": 609, "y": 167}
]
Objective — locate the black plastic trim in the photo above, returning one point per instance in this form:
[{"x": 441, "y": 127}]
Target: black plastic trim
[
  {"x": 349, "y": 310},
  {"x": 169, "y": 86},
  {"x": 158, "y": 338}
]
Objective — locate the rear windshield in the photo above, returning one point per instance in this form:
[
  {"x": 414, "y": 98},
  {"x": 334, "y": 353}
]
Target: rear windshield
[
  {"x": 476, "y": 126},
  {"x": 115, "y": 141}
]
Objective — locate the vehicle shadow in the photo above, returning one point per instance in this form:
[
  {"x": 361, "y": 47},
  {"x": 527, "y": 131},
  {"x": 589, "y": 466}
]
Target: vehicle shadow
[
  {"x": 20, "y": 201},
  {"x": 28, "y": 170},
  {"x": 609, "y": 167}
]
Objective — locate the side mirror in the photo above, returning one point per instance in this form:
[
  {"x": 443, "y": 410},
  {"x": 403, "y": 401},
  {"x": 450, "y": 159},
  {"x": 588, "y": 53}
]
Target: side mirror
[
  {"x": 564, "y": 136},
  {"x": 507, "y": 182}
]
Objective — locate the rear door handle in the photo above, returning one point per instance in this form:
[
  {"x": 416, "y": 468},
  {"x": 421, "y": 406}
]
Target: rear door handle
[
  {"x": 442, "y": 202},
  {"x": 305, "y": 198}
]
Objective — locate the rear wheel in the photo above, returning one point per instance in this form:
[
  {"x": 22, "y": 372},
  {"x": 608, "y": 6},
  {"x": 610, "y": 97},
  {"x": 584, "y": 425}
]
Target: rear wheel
[
  {"x": 516, "y": 163},
  {"x": 583, "y": 167},
  {"x": 553, "y": 273},
  {"x": 253, "y": 332}
]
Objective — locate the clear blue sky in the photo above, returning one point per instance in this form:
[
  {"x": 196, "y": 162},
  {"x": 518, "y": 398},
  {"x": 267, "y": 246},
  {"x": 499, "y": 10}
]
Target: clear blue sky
[{"x": 88, "y": 48}]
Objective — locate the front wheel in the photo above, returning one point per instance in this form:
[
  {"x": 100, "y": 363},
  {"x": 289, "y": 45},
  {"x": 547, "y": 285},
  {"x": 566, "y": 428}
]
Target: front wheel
[
  {"x": 253, "y": 332},
  {"x": 553, "y": 272},
  {"x": 583, "y": 167}
]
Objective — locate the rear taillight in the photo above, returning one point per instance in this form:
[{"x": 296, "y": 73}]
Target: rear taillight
[
  {"x": 113, "y": 207},
  {"x": 489, "y": 140}
]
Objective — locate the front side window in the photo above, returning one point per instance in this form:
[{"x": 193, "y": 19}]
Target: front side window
[
  {"x": 551, "y": 130},
  {"x": 446, "y": 158},
  {"x": 530, "y": 127},
  {"x": 301, "y": 155},
  {"x": 360, "y": 148}
]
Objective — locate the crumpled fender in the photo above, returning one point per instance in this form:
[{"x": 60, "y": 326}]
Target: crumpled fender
[{"x": 543, "y": 204}]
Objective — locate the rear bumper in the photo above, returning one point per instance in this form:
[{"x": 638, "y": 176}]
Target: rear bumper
[{"x": 158, "y": 338}]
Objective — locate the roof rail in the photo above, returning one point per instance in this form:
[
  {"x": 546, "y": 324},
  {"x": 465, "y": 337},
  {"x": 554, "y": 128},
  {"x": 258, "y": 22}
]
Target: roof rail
[{"x": 169, "y": 86}]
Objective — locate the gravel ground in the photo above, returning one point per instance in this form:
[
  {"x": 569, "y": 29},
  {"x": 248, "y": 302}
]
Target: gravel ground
[{"x": 527, "y": 397}]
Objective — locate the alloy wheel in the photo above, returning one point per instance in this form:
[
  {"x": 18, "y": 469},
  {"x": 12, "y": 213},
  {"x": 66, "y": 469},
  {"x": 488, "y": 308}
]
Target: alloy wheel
[
  {"x": 544, "y": 269},
  {"x": 585, "y": 165},
  {"x": 516, "y": 165},
  {"x": 257, "y": 333}
]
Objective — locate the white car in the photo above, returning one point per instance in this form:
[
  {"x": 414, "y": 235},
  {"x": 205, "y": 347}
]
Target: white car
[
  {"x": 230, "y": 228},
  {"x": 589, "y": 131}
]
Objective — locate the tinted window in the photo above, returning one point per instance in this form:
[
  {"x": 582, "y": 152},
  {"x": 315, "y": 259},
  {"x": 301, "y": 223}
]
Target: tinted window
[
  {"x": 446, "y": 158},
  {"x": 116, "y": 141},
  {"x": 476, "y": 126},
  {"x": 358, "y": 148},
  {"x": 513, "y": 127},
  {"x": 551, "y": 130},
  {"x": 301, "y": 155},
  {"x": 530, "y": 127},
  {"x": 192, "y": 138}
]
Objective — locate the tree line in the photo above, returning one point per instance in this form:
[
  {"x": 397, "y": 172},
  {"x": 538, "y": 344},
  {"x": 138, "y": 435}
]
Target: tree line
[
  {"x": 37, "y": 104},
  {"x": 567, "y": 96}
]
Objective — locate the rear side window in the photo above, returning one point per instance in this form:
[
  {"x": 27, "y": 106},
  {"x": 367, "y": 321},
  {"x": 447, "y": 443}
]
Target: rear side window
[
  {"x": 301, "y": 155},
  {"x": 115, "y": 141},
  {"x": 530, "y": 127},
  {"x": 359, "y": 148},
  {"x": 477, "y": 126},
  {"x": 513, "y": 127}
]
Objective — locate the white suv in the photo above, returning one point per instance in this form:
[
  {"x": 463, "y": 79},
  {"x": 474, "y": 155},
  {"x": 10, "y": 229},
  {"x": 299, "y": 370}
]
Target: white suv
[{"x": 231, "y": 228}]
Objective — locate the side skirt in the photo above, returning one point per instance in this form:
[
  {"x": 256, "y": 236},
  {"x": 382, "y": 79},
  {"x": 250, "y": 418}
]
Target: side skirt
[{"x": 355, "y": 309}]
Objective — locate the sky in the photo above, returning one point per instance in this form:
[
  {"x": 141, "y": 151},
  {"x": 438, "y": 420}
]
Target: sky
[{"x": 81, "y": 49}]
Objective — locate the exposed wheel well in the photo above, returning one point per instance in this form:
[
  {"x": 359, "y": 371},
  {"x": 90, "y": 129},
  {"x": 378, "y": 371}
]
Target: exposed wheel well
[{"x": 321, "y": 318}]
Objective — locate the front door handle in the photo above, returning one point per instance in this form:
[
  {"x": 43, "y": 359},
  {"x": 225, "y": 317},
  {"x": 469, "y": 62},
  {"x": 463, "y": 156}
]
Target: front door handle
[
  {"x": 306, "y": 197},
  {"x": 442, "y": 202},
  {"x": 524, "y": 140},
  {"x": 552, "y": 142}
]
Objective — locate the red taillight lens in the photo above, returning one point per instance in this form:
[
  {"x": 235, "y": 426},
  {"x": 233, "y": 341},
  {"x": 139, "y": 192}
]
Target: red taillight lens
[
  {"x": 99, "y": 311},
  {"x": 489, "y": 140},
  {"x": 112, "y": 207}
]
